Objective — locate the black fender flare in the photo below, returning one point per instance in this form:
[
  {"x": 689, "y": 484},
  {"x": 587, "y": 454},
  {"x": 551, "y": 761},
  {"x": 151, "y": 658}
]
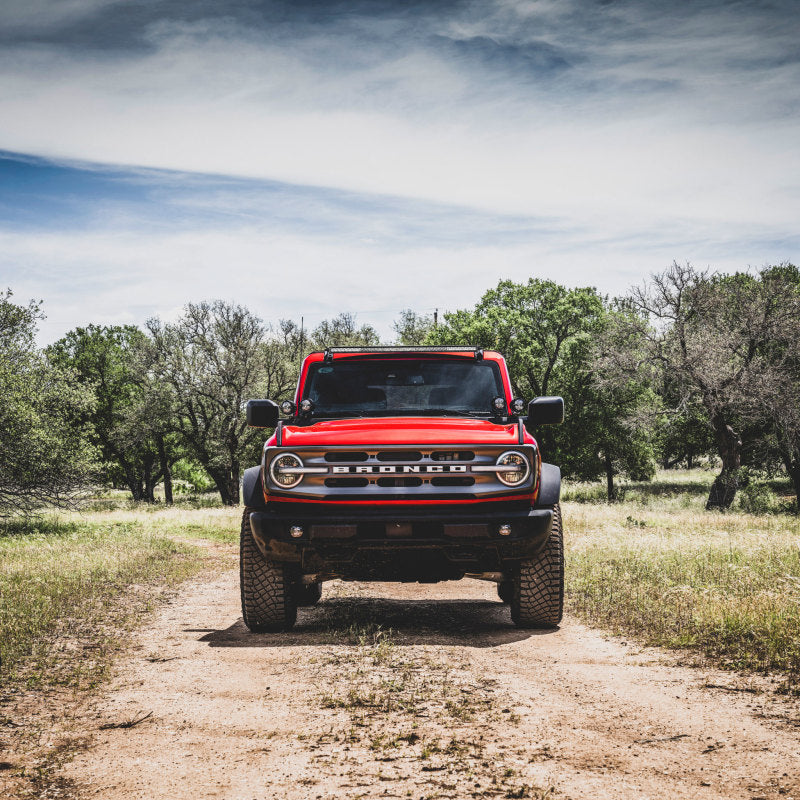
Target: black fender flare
[
  {"x": 549, "y": 486},
  {"x": 252, "y": 492}
]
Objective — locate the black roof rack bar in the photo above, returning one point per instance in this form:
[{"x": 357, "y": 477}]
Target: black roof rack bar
[{"x": 407, "y": 349}]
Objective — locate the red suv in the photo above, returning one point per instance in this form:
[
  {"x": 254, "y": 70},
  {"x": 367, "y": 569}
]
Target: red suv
[{"x": 402, "y": 464}]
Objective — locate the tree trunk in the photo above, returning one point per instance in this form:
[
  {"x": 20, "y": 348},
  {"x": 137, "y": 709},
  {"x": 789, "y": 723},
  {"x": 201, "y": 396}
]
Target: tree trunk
[
  {"x": 149, "y": 487},
  {"x": 134, "y": 483},
  {"x": 227, "y": 487},
  {"x": 166, "y": 470},
  {"x": 689, "y": 460},
  {"x": 726, "y": 484},
  {"x": 233, "y": 485},
  {"x": 611, "y": 491},
  {"x": 794, "y": 474},
  {"x": 792, "y": 463}
]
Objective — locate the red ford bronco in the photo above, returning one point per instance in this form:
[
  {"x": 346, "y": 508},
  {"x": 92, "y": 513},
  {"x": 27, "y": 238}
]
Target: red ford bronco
[{"x": 402, "y": 464}]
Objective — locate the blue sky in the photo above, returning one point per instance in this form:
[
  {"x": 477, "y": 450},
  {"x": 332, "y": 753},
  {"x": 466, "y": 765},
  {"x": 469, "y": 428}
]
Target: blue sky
[{"x": 307, "y": 158}]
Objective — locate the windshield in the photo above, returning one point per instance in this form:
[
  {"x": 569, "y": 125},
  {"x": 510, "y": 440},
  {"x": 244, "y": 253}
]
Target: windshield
[{"x": 403, "y": 387}]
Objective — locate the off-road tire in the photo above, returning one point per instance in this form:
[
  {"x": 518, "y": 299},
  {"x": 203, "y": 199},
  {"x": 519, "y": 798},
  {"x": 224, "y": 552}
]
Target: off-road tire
[
  {"x": 308, "y": 595},
  {"x": 268, "y": 603},
  {"x": 538, "y": 600},
  {"x": 505, "y": 590}
]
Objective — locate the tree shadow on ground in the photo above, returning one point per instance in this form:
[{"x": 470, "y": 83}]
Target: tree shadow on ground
[{"x": 359, "y": 621}]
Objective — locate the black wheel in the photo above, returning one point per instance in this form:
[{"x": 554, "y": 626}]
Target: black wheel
[
  {"x": 505, "y": 591},
  {"x": 268, "y": 602},
  {"x": 307, "y": 595},
  {"x": 538, "y": 600}
]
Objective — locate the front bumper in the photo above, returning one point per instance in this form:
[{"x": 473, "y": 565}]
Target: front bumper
[{"x": 403, "y": 546}]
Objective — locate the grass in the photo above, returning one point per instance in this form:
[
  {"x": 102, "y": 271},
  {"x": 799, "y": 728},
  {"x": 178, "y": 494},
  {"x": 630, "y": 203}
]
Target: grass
[
  {"x": 657, "y": 566},
  {"x": 72, "y": 585}
]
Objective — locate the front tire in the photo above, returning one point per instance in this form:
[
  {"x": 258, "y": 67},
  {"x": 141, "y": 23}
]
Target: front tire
[
  {"x": 538, "y": 600},
  {"x": 268, "y": 603}
]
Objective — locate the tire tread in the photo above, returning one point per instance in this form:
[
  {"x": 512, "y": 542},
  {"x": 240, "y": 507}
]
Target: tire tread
[
  {"x": 538, "y": 600},
  {"x": 268, "y": 603}
]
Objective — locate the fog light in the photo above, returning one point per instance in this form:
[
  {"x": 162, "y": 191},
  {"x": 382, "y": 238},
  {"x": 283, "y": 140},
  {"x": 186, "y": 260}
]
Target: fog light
[
  {"x": 295, "y": 531},
  {"x": 504, "y": 530}
]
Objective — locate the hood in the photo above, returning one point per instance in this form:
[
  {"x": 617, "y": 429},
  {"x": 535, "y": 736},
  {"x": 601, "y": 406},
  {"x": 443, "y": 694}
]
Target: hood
[{"x": 418, "y": 431}]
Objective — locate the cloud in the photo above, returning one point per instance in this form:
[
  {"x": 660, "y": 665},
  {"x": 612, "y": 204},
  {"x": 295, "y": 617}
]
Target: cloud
[
  {"x": 478, "y": 140},
  {"x": 295, "y": 251}
]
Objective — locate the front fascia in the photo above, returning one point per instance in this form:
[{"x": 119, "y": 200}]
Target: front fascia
[{"x": 446, "y": 474}]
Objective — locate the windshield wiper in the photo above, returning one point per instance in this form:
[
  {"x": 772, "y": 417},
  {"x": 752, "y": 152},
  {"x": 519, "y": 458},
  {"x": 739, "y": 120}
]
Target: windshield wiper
[{"x": 457, "y": 412}]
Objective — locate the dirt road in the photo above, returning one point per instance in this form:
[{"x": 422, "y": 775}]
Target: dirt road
[{"x": 453, "y": 702}]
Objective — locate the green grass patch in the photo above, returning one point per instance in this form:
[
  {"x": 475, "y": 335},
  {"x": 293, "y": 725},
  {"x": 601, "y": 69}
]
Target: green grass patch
[
  {"x": 71, "y": 586},
  {"x": 726, "y": 585}
]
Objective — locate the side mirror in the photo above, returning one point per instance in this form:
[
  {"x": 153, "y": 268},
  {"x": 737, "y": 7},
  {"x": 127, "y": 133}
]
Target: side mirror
[
  {"x": 545, "y": 411},
  {"x": 262, "y": 413}
]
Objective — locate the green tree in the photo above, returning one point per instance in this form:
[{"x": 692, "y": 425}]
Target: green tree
[
  {"x": 712, "y": 335},
  {"x": 131, "y": 417},
  {"x": 613, "y": 430},
  {"x": 547, "y": 334},
  {"x": 412, "y": 328},
  {"x": 772, "y": 404},
  {"x": 214, "y": 359},
  {"x": 343, "y": 331},
  {"x": 534, "y": 325},
  {"x": 45, "y": 454}
]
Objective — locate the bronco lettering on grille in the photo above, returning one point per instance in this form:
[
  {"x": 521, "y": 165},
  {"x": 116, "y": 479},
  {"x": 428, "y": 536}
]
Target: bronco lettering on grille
[{"x": 406, "y": 469}]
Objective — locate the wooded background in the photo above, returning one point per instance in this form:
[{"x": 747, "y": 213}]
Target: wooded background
[{"x": 689, "y": 367}]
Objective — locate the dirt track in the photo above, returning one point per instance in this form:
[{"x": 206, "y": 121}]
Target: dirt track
[{"x": 455, "y": 702}]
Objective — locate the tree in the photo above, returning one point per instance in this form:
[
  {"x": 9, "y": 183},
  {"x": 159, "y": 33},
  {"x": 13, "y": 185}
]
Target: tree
[
  {"x": 684, "y": 434},
  {"x": 412, "y": 328},
  {"x": 710, "y": 333},
  {"x": 131, "y": 417},
  {"x": 614, "y": 422},
  {"x": 215, "y": 358},
  {"x": 343, "y": 331},
  {"x": 45, "y": 455},
  {"x": 547, "y": 334},
  {"x": 773, "y": 398}
]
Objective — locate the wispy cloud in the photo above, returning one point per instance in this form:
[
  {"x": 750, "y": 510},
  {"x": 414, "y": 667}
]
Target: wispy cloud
[{"x": 478, "y": 139}]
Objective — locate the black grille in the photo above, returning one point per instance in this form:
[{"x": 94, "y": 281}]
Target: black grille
[
  {"x": 342, "y": 455},
  {"x": 342, "y": 482},
  {"x": 455, "y": 480},
  {"x": 453, "y": 455},
  {"x": 395, "y": 482},
  {"x": 400, "y": 455}
]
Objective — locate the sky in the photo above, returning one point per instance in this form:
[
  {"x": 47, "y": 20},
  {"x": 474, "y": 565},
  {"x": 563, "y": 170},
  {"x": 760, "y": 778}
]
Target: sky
[{"x": 309, "y": 157}]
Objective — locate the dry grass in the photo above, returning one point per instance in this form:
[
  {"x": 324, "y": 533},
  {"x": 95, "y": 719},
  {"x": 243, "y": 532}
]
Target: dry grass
[
  {"x": 72, "y": 585},
  {"x": 725, "y": 584}
]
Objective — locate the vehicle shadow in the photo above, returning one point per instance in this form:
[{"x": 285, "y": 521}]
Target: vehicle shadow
[{"x": 358, "y": 621}]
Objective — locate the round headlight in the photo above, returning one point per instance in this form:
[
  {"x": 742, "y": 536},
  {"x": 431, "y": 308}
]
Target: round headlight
[
  {"x": 518, "y": 406},
  {"x": 516, "y": 469},
  {"x": 288, "y": 408},
  {"x": 283, "y": 470},
  {"x": 306, "y": 406}
]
